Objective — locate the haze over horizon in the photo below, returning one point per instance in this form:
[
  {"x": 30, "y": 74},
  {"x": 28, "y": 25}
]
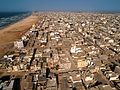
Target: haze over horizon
[{"x": 61, "y": 5}]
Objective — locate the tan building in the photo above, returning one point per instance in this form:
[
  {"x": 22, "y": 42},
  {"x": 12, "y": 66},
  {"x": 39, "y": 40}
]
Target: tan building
[{"x": 81, "y": 63}]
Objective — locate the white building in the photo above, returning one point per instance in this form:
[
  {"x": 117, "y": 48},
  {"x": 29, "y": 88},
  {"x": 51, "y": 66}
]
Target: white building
[{"x": 18, "y": 44}]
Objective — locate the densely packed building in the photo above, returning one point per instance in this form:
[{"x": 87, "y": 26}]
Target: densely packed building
[{"x": 65, "y": 51}]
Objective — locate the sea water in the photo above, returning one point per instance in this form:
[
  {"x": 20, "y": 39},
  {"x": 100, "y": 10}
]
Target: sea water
[{"x": 8, "y": 18}]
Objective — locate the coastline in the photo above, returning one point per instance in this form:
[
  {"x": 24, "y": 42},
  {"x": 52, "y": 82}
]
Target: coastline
[
  {"x": 13, "y": 22},
  {"x": 14, "y": 31}
]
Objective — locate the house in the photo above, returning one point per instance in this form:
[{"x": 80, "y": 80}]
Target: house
[
  {"x": 111, "y": 75},
  {"x": 75, "y": 78},
  {"x": 64, "y": 65},
  {"x": 81, "y": 62},
  {"x": 89, "y": 78},
  {"x": 117, "y": 69},
  {"x": 10, "y": 86},
  {"x": 105, "y": 87},
  {"x": 19, "y": 44}
]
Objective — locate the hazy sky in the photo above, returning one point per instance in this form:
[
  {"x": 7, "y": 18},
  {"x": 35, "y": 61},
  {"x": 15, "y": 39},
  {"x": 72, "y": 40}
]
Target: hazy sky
[{"x": 74, "y": 5}]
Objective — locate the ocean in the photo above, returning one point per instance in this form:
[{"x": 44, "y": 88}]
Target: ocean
[{"x": 8, "y": 18}]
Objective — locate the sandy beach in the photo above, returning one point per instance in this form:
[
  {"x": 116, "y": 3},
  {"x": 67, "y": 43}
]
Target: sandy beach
[{"x": 13, "y": 32}]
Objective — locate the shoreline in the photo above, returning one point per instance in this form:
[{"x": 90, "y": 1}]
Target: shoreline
[
  {"x": 14, "y": 31},
  {"x": 3, "y": 27}
]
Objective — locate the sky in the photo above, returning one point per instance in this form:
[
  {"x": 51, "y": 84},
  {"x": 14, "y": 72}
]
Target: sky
[{"x": 59, "y": 5}]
